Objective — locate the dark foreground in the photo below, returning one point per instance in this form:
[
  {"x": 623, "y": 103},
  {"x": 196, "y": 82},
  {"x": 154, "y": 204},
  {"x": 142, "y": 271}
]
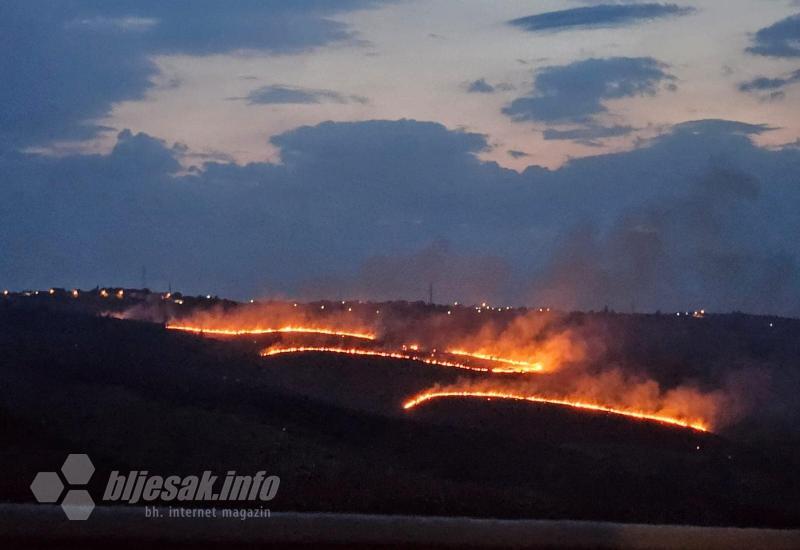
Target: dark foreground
[
  {"x": 137, "y": 397},
  {"x": 129, "y": 528}
]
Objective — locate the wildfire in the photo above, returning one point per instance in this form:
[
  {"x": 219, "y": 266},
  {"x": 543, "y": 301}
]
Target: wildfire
[
  {"x": 375, "y": 353},
  {"x": 516, "y": 366},
  {"x": 422, "y": 357},
  {"x": 426, "y": 396},
  {"x": 281, "y": 330}
]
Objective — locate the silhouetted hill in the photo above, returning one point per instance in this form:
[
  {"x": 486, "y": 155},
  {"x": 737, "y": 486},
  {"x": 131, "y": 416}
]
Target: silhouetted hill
[{"x": 136, "y": 396}]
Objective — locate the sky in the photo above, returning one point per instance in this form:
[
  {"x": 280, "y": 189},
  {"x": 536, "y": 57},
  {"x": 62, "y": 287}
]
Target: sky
[{"x": 641, "y": 155}]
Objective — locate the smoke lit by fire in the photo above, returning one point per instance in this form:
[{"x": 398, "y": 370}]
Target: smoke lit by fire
[
  {"x": 568, "y": 358},
  {"x": 281, "y": 330}
]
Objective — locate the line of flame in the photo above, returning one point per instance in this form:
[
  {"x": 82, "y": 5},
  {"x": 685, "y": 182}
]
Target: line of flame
[
  {"x": 386, "y": 354},
  {"x": 288, "y": 329},
  {"x": 430, "y": 395},
  {"x": 524, "y": 366}
]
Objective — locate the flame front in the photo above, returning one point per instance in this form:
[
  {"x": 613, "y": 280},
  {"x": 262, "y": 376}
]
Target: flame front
[
  {"x": 516, "y": 366},
  {"x": 281, "y": 330},
  {"x": 429, "y": 360},
  {"x": 427, "y": 396}
]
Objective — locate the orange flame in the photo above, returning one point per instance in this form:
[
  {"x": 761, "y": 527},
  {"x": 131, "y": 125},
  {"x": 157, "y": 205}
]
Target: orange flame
[
  {"x": 521, "y": 366},
  {"x": 674, "y": 421},
  {"x": 428, "y": 359},
  {"x": 281, "y": 330}
]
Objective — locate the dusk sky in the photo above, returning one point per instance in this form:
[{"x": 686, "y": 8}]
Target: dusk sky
[{"x": 569, "y": 153}]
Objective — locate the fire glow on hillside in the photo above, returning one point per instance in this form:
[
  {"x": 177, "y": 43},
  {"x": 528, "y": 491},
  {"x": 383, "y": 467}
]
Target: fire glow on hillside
[
  {"x": 427, "y": 396},
  {"x": 281, "y": 330},
  {"x": 567, "y": 359},
  {"x": 429, "y": 358}
]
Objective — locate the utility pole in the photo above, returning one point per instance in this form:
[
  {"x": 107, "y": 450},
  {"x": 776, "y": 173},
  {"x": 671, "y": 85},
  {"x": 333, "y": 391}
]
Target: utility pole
[{"x": 430, "y": 293}]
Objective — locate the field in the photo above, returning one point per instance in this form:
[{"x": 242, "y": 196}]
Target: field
[{"x": 136, "y": 396}]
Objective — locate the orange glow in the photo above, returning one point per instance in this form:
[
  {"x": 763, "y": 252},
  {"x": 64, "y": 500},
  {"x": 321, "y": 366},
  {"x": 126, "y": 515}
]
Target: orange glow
[
  {"x": 427, "y": 396},
  {"x": 407, "y": 354},
  {"x": 374, "y": 353},
  {"x": 281, "y": 330},
  {"x": 516, "y": 366}
]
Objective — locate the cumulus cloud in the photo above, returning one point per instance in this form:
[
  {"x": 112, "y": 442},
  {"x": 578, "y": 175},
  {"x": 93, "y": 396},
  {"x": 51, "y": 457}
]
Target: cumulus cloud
[
  {"x": 75, "y": 59},
  {"x": 367, "y": 207},
  {"x": 279, "y": 94},
  {"x": 781, "y": 39},
  {"x": 603, "y": 15},
  {"x": 575, "y": 92}
]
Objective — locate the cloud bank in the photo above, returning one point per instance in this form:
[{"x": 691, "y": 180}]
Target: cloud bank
[{"x": 383, "y": 208}]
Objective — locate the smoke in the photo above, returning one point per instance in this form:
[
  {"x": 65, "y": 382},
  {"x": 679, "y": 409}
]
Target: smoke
[
  {"x": 275, "y": 315},
  {"x": 583, "y": 358},
  {"x": 450, "y": 276},
  {"x": 615, "y": 388},
  {"x": 692, "y": 251}
]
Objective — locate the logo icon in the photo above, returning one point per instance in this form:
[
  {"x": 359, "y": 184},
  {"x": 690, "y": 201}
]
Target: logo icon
[{"x": 48, "y": 487}]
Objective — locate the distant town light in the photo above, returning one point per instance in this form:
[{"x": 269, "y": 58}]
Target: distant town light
[
  {"x": 75, "y": 293},
  {"x": 103, "y": 293},
  {"x": 120, "y": 294}
]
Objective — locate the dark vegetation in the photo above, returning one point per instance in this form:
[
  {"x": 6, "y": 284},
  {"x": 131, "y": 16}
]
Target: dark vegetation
[{"x": 135, "y": 396}]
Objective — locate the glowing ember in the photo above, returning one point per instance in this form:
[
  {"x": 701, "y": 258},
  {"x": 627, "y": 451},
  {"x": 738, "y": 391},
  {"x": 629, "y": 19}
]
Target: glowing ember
[
  {"x": 516, "y": 366},
  {"x": 281, "y": 330},
  {"x": 674, "y": 421}
]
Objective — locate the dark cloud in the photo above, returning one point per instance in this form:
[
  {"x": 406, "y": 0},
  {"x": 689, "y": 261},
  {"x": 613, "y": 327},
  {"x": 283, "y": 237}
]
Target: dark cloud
[
  {"x": 782, "y": 39},
  {"x": 575, "y": 92},
  {"x": 279, "y": 94},
  {"x": 517, "y": 154},
  {"x": 74, "y": 59},
  {"x": 603, "y": 15},
  {"x": 770, "y": 88},
  {"x": 590, "y": 135},
  {"x": 367, "y": 207},
  {"x": 480, "y": 86},
  {"x": 715, "y": 127}
]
